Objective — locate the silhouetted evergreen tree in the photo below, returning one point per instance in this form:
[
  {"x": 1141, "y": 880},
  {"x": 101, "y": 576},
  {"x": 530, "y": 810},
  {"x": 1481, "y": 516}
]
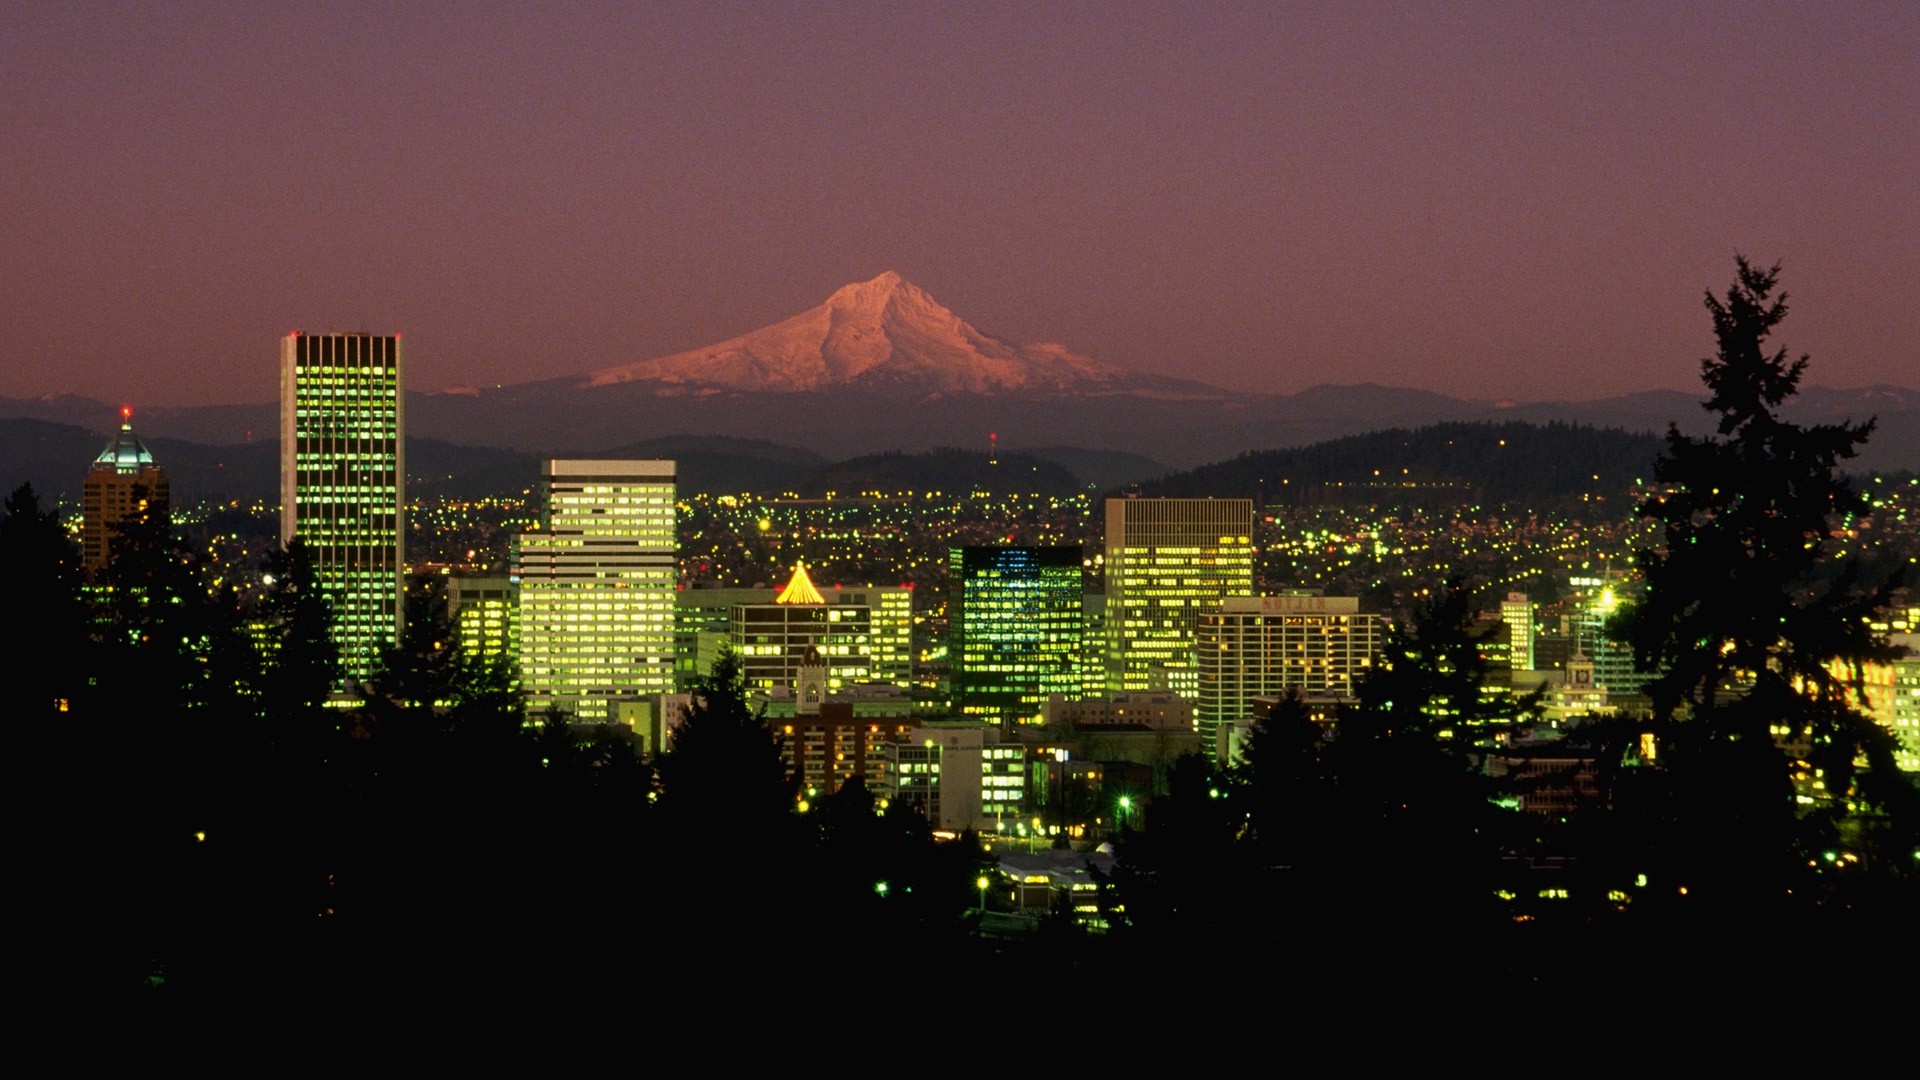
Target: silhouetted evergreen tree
[
  {"x": 1415, "y": 838},
  {"x": 302, "y": 667},
  {"x": 1758, "y": 648},
  {"x": 729, "y": 836},
  {"x": 1284, "y": 785},
  {"x": 51, "y": 641},
  {"x": 1180, "y": 880},
  {"x": 723, "y": 775},
  {"x": 176, "y": 688},
  {"x": 56, "y": 790}
]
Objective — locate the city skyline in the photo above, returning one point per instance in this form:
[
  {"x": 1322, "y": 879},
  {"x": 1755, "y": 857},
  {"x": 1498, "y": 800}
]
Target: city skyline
[{"x": 1501, "y": 202}]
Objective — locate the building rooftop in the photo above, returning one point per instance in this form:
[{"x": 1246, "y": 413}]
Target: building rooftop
[{"x": 125, "y": 454}]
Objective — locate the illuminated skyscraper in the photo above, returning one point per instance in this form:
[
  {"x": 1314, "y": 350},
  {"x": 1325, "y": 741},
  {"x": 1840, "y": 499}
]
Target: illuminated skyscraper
[
  {"x": 124, "y": 482},
  {"x": 1167, "y": 562},
  {"x": 1516, "y": 611},
  {"x": 342, "y": 478},
  {"x": 595, "y": 621},
  {"x": 1260, "y": 646},
  {"x": 1014, "y": 631}
]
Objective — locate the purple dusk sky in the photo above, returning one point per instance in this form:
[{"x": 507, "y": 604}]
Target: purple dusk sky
[{"x": 1507, "y": 200}]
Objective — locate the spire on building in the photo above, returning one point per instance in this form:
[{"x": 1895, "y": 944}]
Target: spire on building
[
  {"x": 800, "y": 590},
  {"x": 125, "y": 453}
]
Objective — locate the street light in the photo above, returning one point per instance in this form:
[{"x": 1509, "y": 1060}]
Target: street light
[{"x": 981, "y": 881}]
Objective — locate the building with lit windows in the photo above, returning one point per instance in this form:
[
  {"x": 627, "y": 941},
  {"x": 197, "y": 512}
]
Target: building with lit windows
[
  {"x": 1168, "y": 561},
  {"x": 1516, "y": 613},
  {"x": 123, "y": 484},
  {"x": 960, "y": 776},
  {"x": 1903, "y": 714},
  {"x": 830, "y": 740},
  {"x": 773, "y": 640},
  {"x": 703, "y": 624},
  {"x": 1891, "y": 697},
  {"x": 596, "y": 582},
  {"x": 482, "y": 610},
  {"x": 1013, "y": 631},
  {"x": 1259, "y": 646},
  {"x": 1159, "y": 711},
  {"x": 342, "y": 482},
  {"x": 1596, "y": 602}
]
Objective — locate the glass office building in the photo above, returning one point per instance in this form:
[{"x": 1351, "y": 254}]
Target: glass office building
[{"x": 1013, "y": 630}]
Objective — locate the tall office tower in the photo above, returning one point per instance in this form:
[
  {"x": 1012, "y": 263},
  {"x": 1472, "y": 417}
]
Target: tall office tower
[
  {"x": 1516, "y": 611},
  {"x": 596, "y": 582},
  {"x": 1258, "y": 646},
  {"x": 1168, "y": 561},
  {"x": 1013, "y": 630},
  {"x": 123, "y": 483},
  {"x": 342, "y": 481}
]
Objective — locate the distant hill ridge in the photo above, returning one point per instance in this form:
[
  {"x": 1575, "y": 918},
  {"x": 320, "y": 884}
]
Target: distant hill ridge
[
  {"x": 1453, "y": 462},
  {"x": 545, "y": 417},
  {"x": 1509, "y": 461}
]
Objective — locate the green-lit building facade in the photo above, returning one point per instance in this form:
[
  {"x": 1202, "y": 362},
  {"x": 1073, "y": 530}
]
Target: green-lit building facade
[{"x": 1014, "y": 630}]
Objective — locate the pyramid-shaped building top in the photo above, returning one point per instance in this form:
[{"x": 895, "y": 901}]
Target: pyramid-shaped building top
[
  {"x": 126, "y": 454},
  {"x": 800, "y": 590}
]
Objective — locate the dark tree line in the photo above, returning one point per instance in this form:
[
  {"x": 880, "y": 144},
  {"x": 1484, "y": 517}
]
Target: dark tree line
[{"x": 203, "y": 813}]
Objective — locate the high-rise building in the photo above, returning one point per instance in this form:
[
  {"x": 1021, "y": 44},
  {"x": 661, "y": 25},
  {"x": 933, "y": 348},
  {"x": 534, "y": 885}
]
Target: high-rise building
[
  {"x": 1167, "y": 562},
  {"x": 1266, "y": 645},
  {"x": 596, "y": 583},
  {"x": 123, "y": 483},
  {"x": 1013, "y": 629},
  {"x": 1516, "y": 612},
  {"x": 342, "y": 482}
]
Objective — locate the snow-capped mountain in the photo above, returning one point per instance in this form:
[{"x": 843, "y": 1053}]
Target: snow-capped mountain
[{"x": 887, "y": 335}]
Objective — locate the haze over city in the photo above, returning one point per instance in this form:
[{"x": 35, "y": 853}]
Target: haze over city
[{"x": 1500, "y": 201}]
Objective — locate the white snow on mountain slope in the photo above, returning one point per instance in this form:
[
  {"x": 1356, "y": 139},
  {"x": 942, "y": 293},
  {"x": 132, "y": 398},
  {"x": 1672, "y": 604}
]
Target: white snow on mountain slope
[{"x": 885, "y": 334}]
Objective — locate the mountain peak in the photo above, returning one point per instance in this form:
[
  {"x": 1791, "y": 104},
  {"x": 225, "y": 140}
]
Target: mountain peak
[
  {"x": 884, "y": 334},
  {"x": 878, "y": 292}
]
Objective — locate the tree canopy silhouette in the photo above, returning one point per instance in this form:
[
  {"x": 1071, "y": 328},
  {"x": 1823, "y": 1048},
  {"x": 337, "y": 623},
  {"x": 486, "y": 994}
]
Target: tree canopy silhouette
[{"x": 1757, "y": 705}]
